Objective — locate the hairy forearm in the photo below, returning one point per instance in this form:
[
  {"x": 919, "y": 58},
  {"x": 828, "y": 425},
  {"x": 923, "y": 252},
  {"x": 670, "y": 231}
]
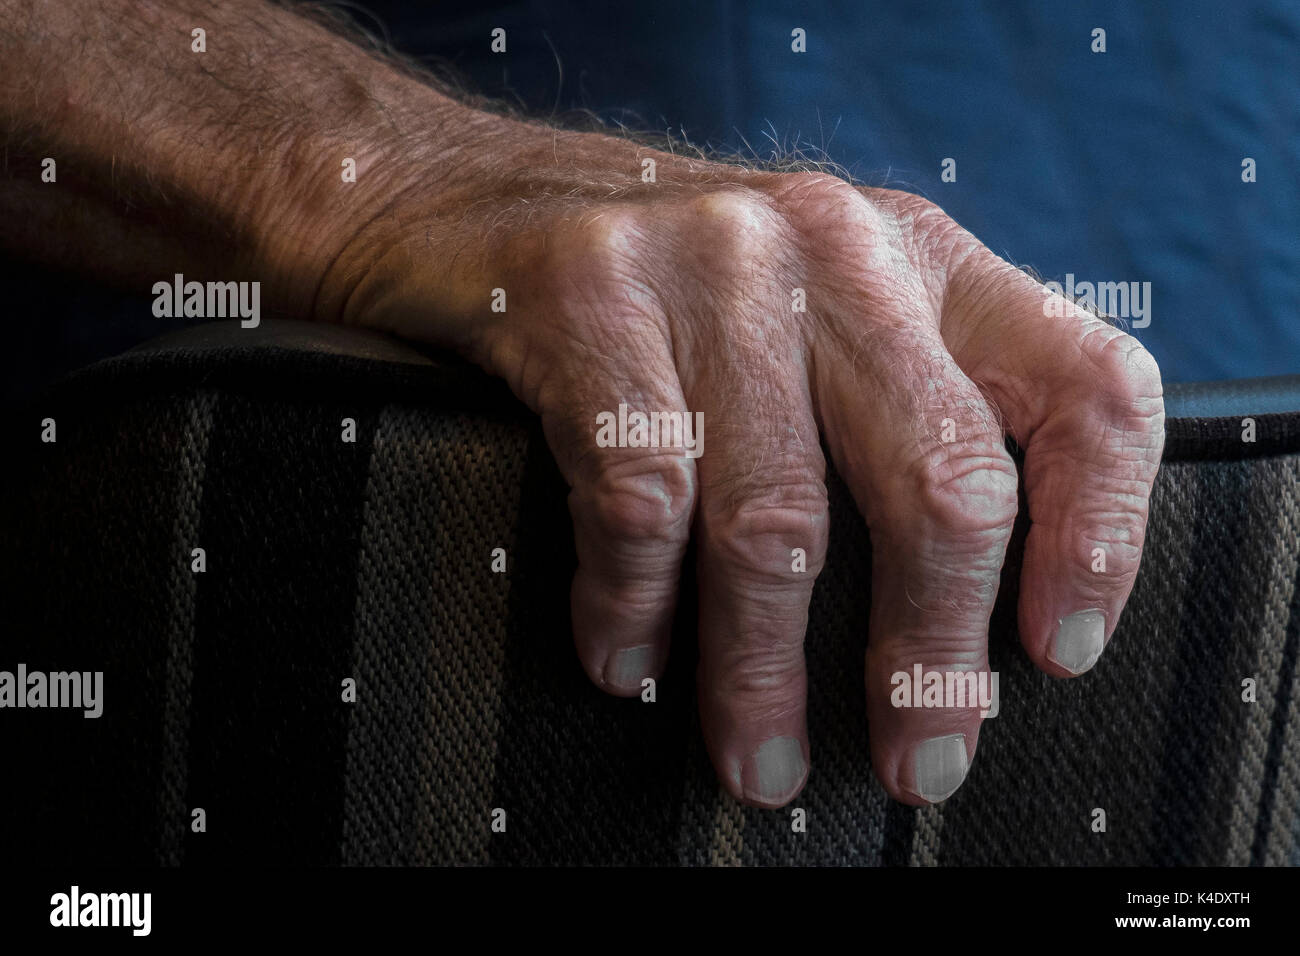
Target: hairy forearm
[{"x": 231, "y": 160}]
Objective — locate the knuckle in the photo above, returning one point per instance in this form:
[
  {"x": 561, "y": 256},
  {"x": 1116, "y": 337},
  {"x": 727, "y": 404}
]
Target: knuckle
[
  {"x": 968, "y": 490},
  {"x": 649, "y": 500},
  {"x": 930, "y": 228},
  {"x": 825, "y": 204},
  {"x": 761, "y": 676},
  {"x": 1117, "y": 532},
  {"x": 597, "y": 248},
  {"x": 728, "y": 225},
  {"x": 755, "y": 536},
  {"x": 1129, "y": 376}
]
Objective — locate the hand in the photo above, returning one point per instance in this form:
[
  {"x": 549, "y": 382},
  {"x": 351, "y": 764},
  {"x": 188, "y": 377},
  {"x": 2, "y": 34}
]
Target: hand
[
  {"x": 915, "y": 348},
  {"x": 917, "y": 351}
]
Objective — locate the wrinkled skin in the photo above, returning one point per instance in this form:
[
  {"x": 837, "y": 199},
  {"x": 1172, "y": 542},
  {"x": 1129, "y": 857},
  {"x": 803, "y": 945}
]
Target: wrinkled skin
[{"x": 918, "y": 351}]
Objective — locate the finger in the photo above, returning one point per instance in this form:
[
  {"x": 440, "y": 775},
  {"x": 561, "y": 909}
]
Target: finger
[
  {"x": 762, "y": 516},
  {"x": 938, "y": 491},
  {"x": 631, "y": 518},
  {"x": 761, "y": 544},
  {"x": 633, "y": 497},
  {"x": 1085, "y": 401}
]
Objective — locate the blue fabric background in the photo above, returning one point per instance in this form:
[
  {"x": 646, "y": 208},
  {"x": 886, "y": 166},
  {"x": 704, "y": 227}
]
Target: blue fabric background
[{"x": 1115, "y": 166}]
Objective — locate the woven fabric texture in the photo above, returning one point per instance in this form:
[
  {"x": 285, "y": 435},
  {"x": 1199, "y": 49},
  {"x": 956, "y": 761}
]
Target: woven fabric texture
[{"x": 371, "y": 560}]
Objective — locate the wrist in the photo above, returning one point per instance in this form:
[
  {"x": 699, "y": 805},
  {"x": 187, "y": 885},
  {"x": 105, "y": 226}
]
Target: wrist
[{"x": 408, "y": 180}]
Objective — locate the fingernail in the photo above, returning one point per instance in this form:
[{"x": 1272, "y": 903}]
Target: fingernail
[
  {"x": 1080, "y": 639},
  {"x": 628, "y": 666},
  {"x": 774, "y": 771},
  {"x": 940, "y": 766}
]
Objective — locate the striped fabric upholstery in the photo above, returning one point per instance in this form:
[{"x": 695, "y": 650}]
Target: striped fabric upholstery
[{"x": 371, "y": 560}]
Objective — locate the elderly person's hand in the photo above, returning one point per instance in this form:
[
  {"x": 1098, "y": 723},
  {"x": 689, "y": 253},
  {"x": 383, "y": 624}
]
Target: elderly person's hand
[
  {"x": 772, "y": 311},
  {"x": 605, "y": 281}
]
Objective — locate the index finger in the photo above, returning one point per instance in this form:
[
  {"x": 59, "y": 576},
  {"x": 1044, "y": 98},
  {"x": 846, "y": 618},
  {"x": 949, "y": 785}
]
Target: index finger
[{"x": 1085, "y": 400}]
